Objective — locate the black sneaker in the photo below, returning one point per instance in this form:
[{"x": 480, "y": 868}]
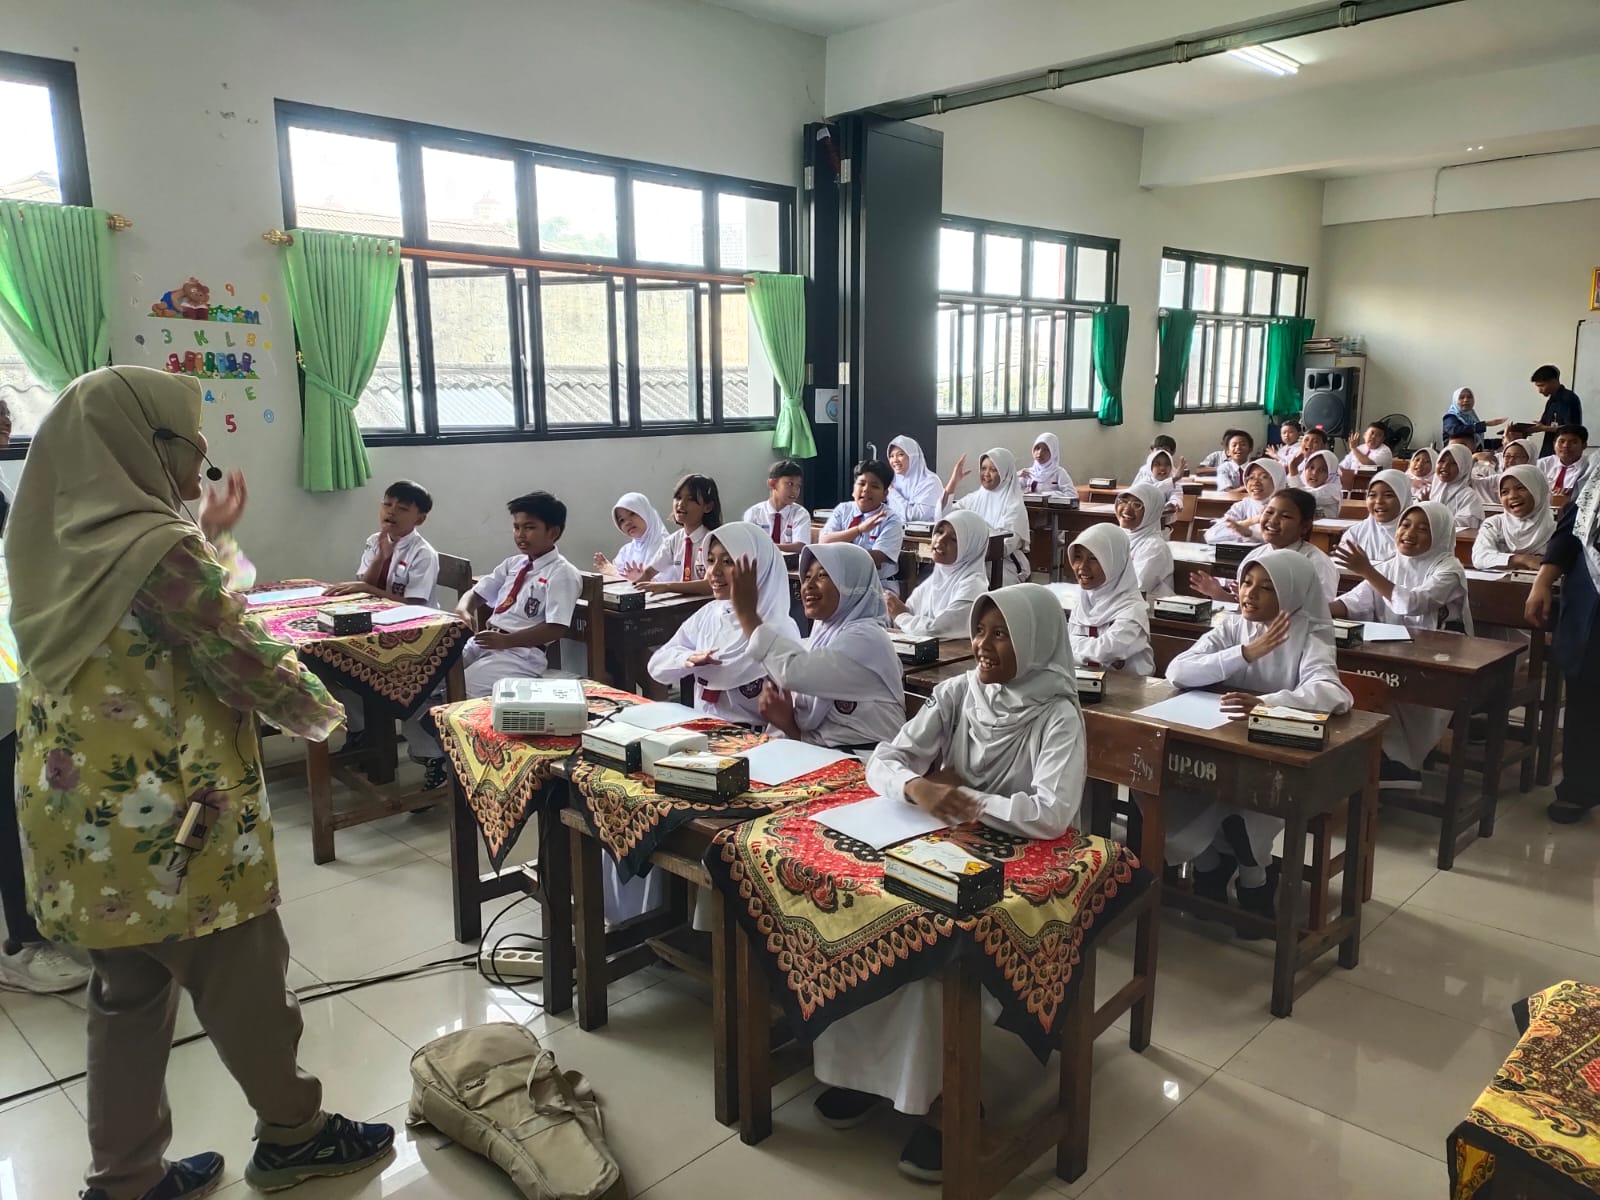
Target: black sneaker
[
  {"x": 1395, "y": 776},
  {"x": 355, "y": 743},
  {"x": 1212, "y": 884},
  {"x": 435, "y": 773},
  {"x": 1569, "y": 812},
  {"x": 1259, "y": 900},
  {"x": 845, "y": 1108},
  {"x": 922, "y": 1158},
  {"x": 342, "y": 1148},
  {"x": 186, "y": 1179}
]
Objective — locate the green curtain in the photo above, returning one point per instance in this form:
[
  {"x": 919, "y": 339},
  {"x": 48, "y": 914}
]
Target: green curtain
[
  {"x": 55, "y": 280},
  {"x": 778, "y": 307},
  {"x": 341, "y": 289},
  {"x": 1280, "y": 393},
  {"x": 1174, "y": 331},
  {"x": 1110, "y": 354}
]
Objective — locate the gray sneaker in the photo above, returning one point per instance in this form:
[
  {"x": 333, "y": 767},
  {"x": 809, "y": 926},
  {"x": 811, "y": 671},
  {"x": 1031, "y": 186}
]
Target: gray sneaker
[{"x": 41, "y": 967}]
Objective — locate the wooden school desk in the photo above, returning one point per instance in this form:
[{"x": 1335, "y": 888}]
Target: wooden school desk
[{"x": 917, "y": 548}]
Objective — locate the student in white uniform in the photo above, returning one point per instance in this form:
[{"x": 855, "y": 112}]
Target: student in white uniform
[
  {"x": 781, "y": 513},
  {"x": 1242, "y": 521},
  {"x": 1003, "y": 744},
  {"x": 1388, "y": 495},
  {"x": 1286, "y": 523},
  {"x": 998, "y": 501},
  {"x": 941, "y": 605},
  {"x": 641, "y": 524},
  {"x": 1110, "y": 623},
  {"x": 1215, "y": 459},
  {"x": 1139, "y": 515},
  {"x": 680, "y": 567},
  {"x": 1312, "y": 440},
  {"x": 397, "y": 562},
  {"x": 1370, "y": 451},
  {"x": 711, "y": 647},
  {"x": 1568, "y": 467},
  {"x": 1452, "y": 487},
  {"x": 843, "y": 686},
  {"x": 1515, "y": 540},
  {"x": 1235, "y": 461},
  {"x": 1289, "y": 450},
  {"x": 868, "y": 521},
  {"x": 917, "y": 491},
  {"x": 1160, "y": 472},
  {"x": 1319, "y": 475},
  {"x": 1047, "y": 473},
  {"x": 1277, "y": 649},
  {"x": 1488, "y": 468},
  {"x": 1420, "y": 471},
  {"x": 1422, "y": 587}
]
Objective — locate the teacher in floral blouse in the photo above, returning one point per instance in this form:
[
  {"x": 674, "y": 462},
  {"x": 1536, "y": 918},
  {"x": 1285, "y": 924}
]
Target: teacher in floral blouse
[{"x": 142, "y": 679}]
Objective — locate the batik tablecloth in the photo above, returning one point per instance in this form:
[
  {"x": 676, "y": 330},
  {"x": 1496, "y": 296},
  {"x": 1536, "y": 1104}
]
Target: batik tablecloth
[
  {"x": 401, "y": 664},
  {"x": 833, "y": 940},
  {"x": 503, "y": 775},
  {"x": 1541, "y": 1116}
]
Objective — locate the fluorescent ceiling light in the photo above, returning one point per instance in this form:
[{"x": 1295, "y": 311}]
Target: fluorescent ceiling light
[{"x": 1266, "y": 60}]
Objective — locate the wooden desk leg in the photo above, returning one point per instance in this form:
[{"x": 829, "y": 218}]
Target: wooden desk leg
[
  {"x": 1152, "y": 853},
  {"x": 724, "y": 1011},
  {"x": 1495, "y": 750},
  {"x": 1549, "y": 717},
  {"x": 1455, "y": 783},
  {"x": 962, "y": 1096},
  {"x": 1289, "y": 884},
  {"x": 1077, "y": 1070},
  {"x": 1355, "y": 855},
  {"x": 464, "y": 865},
  {"x": 455, "y": 684},
  {"x": 589, "y": 926},
  {"x": 382, "y": 757},
  {"x": 555, "y": 895},
  {"x": 319, "y": 785},
  {"x": 755, "y": 1040}
]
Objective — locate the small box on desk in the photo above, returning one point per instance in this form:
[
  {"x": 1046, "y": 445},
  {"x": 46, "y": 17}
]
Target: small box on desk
[
  {"x": 821, "y": 514},
  {"x": 1091, "y": 685},
  {"x": 1062, "y": 500},
  {"x": 702, "y": 776},
  {"x": 1233, "y": 553},
  {"x": 1193, "y": 487},
  {"x": 1293, "y": 727},
  {"x": 919, "y": 528},
  {"x": 1194, "y": 609},
  {"x": 343, "y": 619},
  {"x": 942, "y": 876},
  {"x": 659, "y": 743},
  {"x": 915, "y": 651},
  {"x": 622, "y": 597},
  {"x": 1348, "y": 633},
  {"x": 1103, "y": 481},
  {"x": 614, "y": 744}
]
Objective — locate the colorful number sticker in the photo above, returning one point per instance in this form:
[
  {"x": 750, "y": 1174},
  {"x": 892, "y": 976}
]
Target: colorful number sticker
[
  {"x": 249, "y": 339},
  {"x": 233, "y": 426},
  {"x": 166, "y": 337},
  {"x": 227, "y": 337},
  {"x": 250, "y": 393},
  {"x": 210, "y": 398},
  {"x": 200, "y": 337}
]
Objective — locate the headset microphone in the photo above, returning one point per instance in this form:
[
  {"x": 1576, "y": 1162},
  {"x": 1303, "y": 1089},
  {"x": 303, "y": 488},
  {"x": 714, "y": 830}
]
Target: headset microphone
[{"x": 213, "y": 472}]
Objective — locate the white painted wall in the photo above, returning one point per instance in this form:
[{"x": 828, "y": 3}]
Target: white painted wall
[
  {"x": 178, "y": 115},
  {"x": 1478, "y": 298},
  {"x": 1036, "y": 163},
  {"x": 1470, "y": 187}
]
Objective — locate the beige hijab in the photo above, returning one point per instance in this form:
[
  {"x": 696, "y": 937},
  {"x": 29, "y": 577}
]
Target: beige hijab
[{"x": 96, "y": 510}]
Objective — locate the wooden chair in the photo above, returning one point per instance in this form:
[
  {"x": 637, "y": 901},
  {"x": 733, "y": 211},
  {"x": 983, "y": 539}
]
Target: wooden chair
[
  {"x": 588, "y": 628},
  {"x": 1370, "y": 695},
  {"x": 455, "y": 574},
  {"x": 1183, "y": 522},
  {"x": 1166, "y": 647}
]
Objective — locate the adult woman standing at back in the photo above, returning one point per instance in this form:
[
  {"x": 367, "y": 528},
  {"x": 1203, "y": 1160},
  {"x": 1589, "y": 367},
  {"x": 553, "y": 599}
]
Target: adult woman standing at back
[{"x": 1461, "y": 421}]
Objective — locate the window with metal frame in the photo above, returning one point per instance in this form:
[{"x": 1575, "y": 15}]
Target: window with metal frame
[
  {"x": 1235, "y": 299},
  {"x": 1016, "y": 320},
  {"x": 543, "y": 292},
  {"x": 42, "y": 159}
]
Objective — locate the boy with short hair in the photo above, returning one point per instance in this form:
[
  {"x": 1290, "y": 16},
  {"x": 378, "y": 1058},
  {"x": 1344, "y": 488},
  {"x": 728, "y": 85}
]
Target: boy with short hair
[
  {"x": 781, "y": 513},
  {"x": 398, "y": 563},
  {"x": 1311, "y": 441},
  {"x": 1210, "y": 463},
  {"x": 1568, "y": 467},
  {"x": 1369, "y": 450},
  {"x": 1230, "y": 471},
  {"x": 1180, "y": 465},
  {"x": 868, "y": 521}
]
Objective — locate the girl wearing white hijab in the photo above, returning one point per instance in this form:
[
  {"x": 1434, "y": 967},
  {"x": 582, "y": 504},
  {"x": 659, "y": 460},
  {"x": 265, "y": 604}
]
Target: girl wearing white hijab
[
  {"x": 1277, "y": 649},
  {"x": 1047, "y": 474},
  {"x": 1516, "y": 538},
  {"x": 941, "y": 606},
  {"x": 1139, "y": 515},
  {"x": 1242, "y": 521},
  {"x": 1421, "y": 587},
  {"x": 842, "y": 686},
  {"x": 1388, "y": 495},
  {"x": 711, "y": 646},
  {"x": 1424, "y": 461},
  {"x": 1003, "y": 744},
  {"x": 1452, "y": 487},
  {"x": 1488, "y": 468},
  {"x": 1160, "y": 471},
  {"x": 1328, "y": 493},
  {"x": 998, "y": 501},
  {"x": 1110, "y": 623},
  {"x": 636, "y": 517},
  {"x": 916, "y": 493}
]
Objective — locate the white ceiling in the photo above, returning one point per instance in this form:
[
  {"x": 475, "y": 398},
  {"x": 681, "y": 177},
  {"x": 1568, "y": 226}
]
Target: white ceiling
[{"x": 825, "y": 17}]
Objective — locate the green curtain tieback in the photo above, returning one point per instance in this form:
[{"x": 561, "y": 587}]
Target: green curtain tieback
[{"x": 338, "y": 393}]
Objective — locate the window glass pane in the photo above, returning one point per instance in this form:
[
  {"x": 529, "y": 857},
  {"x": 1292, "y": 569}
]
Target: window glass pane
[
  {"x": 1261, "y": 293},
  {"x": 1049, "y": 276},
  {"x": 668, "y": 224},
  {"x": 29, "y": 169},
  {"x": 969, "y": 359},
  {"x": 748, "y": 385},
  {"x": 749, "y": 234},
  {"x": 384, "y": 401},
  {"x": 1016, "y": 336},
  {"x": 1090, "y": 284},
  {"x": 1255, "y": 338},
  {"x": 995, "y": 344},
  {"x": 472, "y": 368},
  {"x": 1085, "y": 389},
  {"x": 955, "y": 260},
  {"x": 1233, "y": 283},
  {"x": 1171, "y": 284},
  {"x": 1002, "y": 264},
  {"x": 1203, "y": 287},
  {"x": 575, "y": 328},
  {"x": 667, "y": 341},
  {"x": 1288, "y": 295},
  {"x": 1040, "y": 327},
  {"x": 1227, "y": 365},
  {"x": 1192, "y": 377},
  {"x": 944, "y": 376},
  {"x": 577, "y": 211},
  {"x": 470, "y": 198},
  {"x": 28, "y": 398},
  {"x": 345, "y": 182}
]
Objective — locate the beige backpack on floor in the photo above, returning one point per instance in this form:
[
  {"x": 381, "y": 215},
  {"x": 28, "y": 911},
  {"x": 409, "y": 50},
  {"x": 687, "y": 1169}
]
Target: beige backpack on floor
[{"x": 494, "y": 1090}]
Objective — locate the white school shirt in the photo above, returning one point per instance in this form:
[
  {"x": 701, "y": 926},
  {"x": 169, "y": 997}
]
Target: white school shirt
[
  {"x": 1037, "y": 480},
  {"x": 669, "y": 562},
  {"x": 856, "y": 709},
  {"x": 413, "y": 568},
  {"x": 1230, "y": 475},
  {"x": 795, "y": 518},
  {"x": 1492, "y": 551},
  {"x": 1382, "y": 458},
  {"x": 1327, "y": 572},
  {"x": 886, "y": 538},
  {"x": 1217, "y": 657},
  {"x": 1215, "y": 459},
  {"x": 1576, "y": 473},
  {"x": 1240, "y": 510},
  {"x": 739, "y": 705},
  {"x": 548, "y": 592}
]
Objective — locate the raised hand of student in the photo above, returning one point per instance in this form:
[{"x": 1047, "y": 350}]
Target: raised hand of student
[
  {"x": 1208, "y": 586},
  {"x": 633, "y": 572},
  {"x": 1238, "y": 704},
  {"x": 494, "y": 639},
  {"x": 1273, "y": 636},
  {"x": 603, "y": 564},
  {"x": 744, "y": 595},
  {"x": 221, "y": 508},
  {"x": 957, "y": 474},
  {"x": 1349, "y": 555}
]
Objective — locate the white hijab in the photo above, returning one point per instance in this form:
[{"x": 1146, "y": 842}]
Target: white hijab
[
  {"x": 1002, "y": 507},
  {"x": 1330, "y": 486},
  {"x": 1274, "y": 471},
  {"x": 1458, "y": 495},
  {"x": 858, "y": 625},
  {"x": 919, "y": 487},
  {"x": 1374, "y": 536},
  {"x": 1145, "y": 541},
  {"x": 964, "y": 580},
  {"x": 719, "y": 630},
  {"x": 1119, "y": 596},
  {"x": 1300, "y": 595},
  {"x": 998, "y": 718},
  {"x": 1165, "y": 486},
  {"x": 1149, "y": 526},
  {"x": 1438, "y": 562},
  {"x": 1529, "y": 535},
  {"x": 1529, "y": 447},
  {"x": 640, "y": 551},
  {"x": 1049, "y": 475}
]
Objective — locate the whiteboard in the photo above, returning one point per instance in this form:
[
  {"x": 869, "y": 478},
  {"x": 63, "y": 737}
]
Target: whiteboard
[{"x": 1586, "y": 361}]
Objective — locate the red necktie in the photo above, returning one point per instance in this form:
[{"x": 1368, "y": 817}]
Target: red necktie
[
  {"x": 516, "y": 586},
  {"x": 777, "y": 529},
  {"x": 688, "y": 558},
  {"x": 1561, "y": 477},
  {"x": 856, "y": 520}
]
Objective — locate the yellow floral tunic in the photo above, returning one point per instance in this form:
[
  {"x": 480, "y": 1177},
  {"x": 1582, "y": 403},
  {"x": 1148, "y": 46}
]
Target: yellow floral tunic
[{"x": 162, "y": 714}]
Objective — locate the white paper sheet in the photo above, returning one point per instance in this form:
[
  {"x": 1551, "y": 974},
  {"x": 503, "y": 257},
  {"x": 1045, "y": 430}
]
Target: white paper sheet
[
  {"x": 1378, "y": 631},
  {"x": 1485, "y": 575},
  {"x": 1339, "y": 522},
  {"x": 879, "y": 821},
  {"x": 402, "y": 614},
  {"x": 282, "y": 595},
  {"x": 777, "y": 762},
  {"x": 658, "y": 715},
  {"x": 1198, "y": 710}
]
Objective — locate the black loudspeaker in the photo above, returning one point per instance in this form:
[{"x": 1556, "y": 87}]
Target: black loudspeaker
[{"x": 1331, "y": 399}]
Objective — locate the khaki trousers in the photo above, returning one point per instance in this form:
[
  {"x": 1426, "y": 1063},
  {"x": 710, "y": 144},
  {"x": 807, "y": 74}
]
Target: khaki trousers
[{"x": 236, "y": 980}]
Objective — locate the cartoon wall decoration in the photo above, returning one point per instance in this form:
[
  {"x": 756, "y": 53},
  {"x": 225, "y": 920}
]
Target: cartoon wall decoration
[
  {"x": 230, "y": 361},
  {"x": 191, "y": 301}
]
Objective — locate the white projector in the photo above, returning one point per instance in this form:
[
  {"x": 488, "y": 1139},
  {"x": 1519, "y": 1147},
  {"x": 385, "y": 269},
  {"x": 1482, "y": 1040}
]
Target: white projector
[{"x": 540, "y": 706}]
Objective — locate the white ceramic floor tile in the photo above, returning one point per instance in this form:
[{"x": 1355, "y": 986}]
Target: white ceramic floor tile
[
  {"x": 43, "y": 1149},
  {"x": 20, "y": 1068},
  {"x": 1524, "y": 833},
  {"x": 1387, "y": 1066},
  {"x": 352, "y": 930},
  {"x": 1532, "y": 899},
  {"x": 362, "y": 851}
]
